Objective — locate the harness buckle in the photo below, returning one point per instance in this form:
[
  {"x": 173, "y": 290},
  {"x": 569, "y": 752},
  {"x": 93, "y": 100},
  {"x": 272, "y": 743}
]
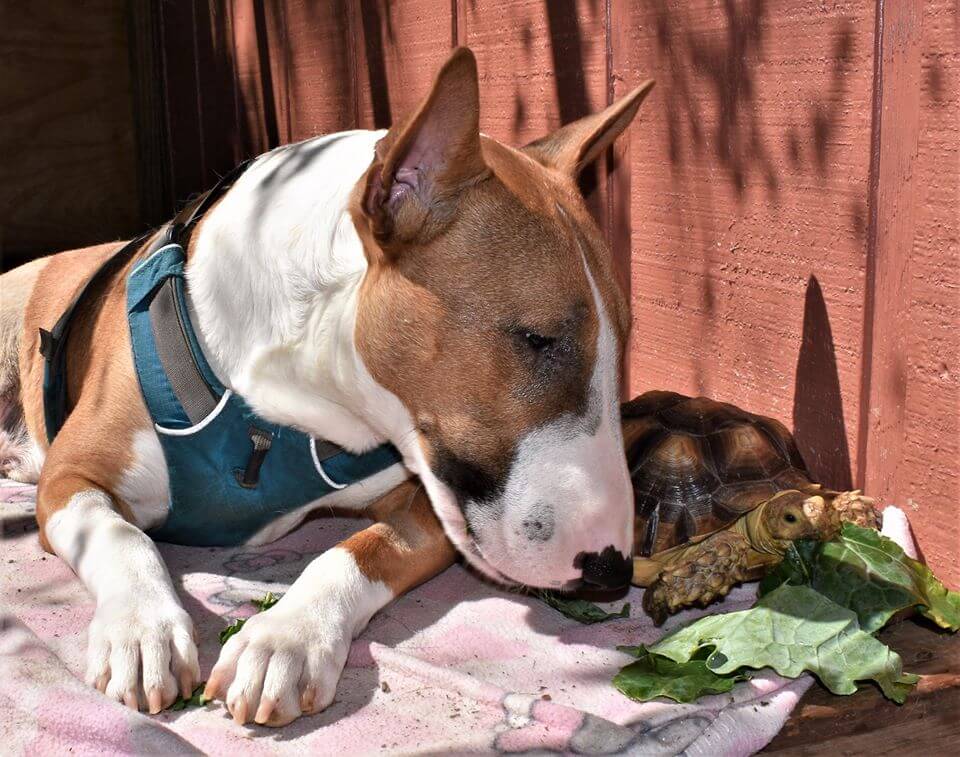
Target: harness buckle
[{"x": 249, "y": 477}]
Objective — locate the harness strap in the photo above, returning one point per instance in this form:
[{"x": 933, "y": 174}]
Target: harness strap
[
  {"x": 53, "y": 342},
  {"x": 195, "y": 396},
  {"x": 195, "y": 399},
  {"x": 169, "y": 323}
]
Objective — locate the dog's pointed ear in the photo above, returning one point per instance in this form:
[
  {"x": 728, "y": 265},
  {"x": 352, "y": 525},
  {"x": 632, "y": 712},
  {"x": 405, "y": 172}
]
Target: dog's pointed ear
[
  {"x": 573, "y": 147},
  {"x": 423, "y": 163}
]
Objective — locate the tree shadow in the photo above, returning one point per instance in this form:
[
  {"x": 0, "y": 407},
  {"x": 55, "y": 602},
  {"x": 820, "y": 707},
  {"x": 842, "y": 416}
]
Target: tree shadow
[
  {"x": 818, "y": 422},
  {"x": 569, "y": 79},
  {"x": 376, "y": 61}
]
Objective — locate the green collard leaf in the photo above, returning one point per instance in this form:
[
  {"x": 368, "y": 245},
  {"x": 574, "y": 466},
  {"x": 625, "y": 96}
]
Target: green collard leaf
[
  {"x": 869, "y": 574},
  {"x": 231, "y": 630},
  {"x": 268, "y": 601},
  {"x": 654, "y": 676},
  {"x": 264, "y": 603},
  {"x": 792, "y": 629},
  {"x": 796, "y": 567},
  {"x": 581, "y": 610},
  {"x": 197, "y": 699}
]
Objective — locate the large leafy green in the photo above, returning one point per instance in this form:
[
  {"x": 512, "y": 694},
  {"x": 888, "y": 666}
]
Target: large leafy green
[
  {"x": 581, "y": 610},
  {"x": 871, "y": 575},
  {"x": 792, "y": 629},
  {"x": 817, "y": 612},
  {"x": 656, "y": 676}
]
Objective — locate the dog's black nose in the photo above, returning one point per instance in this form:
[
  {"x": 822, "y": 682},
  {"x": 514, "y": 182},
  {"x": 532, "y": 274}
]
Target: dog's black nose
[{"x": 608, "y": 569}]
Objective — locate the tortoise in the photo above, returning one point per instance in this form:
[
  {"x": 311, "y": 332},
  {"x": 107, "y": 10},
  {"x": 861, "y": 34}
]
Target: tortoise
[{"x": 719, "y": 494}]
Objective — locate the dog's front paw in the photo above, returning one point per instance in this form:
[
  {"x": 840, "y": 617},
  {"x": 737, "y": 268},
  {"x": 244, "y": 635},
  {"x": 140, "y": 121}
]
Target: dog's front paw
[
  {"x": 283, "y": 663},
  {"x": 140, "y": 652}
]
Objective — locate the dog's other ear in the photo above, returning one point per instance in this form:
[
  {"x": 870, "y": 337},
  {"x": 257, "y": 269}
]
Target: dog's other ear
[
  {"x": 573, "y": 147},
  {"x": 424, "y": 162}
]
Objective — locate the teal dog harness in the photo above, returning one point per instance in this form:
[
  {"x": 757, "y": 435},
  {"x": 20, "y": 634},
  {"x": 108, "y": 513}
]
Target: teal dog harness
[{"x": 231, "y": 472}]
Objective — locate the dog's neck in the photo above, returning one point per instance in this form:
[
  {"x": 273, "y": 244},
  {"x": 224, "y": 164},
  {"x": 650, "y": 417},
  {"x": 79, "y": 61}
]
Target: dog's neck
[{"x": 274, "y": 278}]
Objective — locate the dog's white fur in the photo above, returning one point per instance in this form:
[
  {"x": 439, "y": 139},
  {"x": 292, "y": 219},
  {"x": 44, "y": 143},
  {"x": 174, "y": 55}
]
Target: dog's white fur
[{"x": 140, "y": 638}]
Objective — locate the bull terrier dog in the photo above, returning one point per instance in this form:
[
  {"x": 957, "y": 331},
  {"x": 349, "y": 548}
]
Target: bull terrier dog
[{"x": 333, "y": 319}]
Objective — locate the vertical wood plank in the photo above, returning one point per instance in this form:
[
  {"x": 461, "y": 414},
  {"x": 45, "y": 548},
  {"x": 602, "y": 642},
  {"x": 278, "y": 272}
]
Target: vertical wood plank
[
  {"x": 618, "y": 163},
  {"x": 181, "y": 87},
  {"x": 149, "y": 112},
  {"x": 911, "y": 385},
  {"x": 896, "y": 127}
]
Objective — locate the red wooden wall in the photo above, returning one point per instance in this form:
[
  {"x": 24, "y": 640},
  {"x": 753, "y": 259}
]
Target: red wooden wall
[{"x": 784, "y": 214}]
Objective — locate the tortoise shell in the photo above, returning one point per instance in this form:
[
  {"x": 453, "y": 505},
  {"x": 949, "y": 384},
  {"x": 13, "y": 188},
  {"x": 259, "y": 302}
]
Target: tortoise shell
[{"x": 697, "y": 465}]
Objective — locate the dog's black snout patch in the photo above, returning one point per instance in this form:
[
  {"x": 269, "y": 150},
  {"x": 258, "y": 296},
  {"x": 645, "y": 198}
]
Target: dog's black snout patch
[{"x": 608, "y": 569}]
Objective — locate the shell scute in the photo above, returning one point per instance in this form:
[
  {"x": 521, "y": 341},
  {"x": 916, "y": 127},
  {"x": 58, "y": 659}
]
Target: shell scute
[{"x": 697, "y": 465}]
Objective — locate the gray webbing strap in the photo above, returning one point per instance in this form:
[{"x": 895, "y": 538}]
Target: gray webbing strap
[
  {"x": 325, "y": 449},
  {"x": 193, "y": 393}
]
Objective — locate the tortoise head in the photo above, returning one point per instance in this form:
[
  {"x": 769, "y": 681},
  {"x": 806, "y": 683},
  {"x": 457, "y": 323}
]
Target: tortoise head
[{"x": 792, "y": 514}]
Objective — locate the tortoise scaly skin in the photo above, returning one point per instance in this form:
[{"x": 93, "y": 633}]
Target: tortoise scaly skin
[{"x": 720, "y": 493}]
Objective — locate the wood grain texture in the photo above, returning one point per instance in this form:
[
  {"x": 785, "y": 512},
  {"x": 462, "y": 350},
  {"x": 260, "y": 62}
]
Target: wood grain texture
[
  {"x": 68, "y": 171},
  {"x": 749, "y": 211}
]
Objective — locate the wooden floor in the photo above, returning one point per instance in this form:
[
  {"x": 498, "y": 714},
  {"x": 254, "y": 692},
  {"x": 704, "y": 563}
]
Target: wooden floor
[{"x": 867, "y": 724}]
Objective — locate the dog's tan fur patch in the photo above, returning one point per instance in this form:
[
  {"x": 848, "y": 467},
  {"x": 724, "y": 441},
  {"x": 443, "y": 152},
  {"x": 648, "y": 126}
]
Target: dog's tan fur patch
[{"x": 106, "y": 409}]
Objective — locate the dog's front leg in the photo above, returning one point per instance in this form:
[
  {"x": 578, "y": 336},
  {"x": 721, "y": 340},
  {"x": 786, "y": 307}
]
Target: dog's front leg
[
  {"x": 287, "y": 661},
  {"x": 140, "y": 645}
]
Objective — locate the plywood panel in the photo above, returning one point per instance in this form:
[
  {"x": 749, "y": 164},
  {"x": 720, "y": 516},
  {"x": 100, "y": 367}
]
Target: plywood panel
[
  {"x": 749, "y": 186},
  {"x": 68, "y": 174}
]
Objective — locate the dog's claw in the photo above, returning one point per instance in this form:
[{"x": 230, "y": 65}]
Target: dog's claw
[
  {"x": 308, "y": 699},
  {"x": 240, "y": 712},
  {"x": 264, "y": 711},
  {"x": 186, "y": 685},
  {"x": 130, "y": 700},
  {"x": 154, "y": 701}
]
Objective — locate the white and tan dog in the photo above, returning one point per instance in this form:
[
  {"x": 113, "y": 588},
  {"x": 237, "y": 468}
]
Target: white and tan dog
[{"x": 426, "y": 286}]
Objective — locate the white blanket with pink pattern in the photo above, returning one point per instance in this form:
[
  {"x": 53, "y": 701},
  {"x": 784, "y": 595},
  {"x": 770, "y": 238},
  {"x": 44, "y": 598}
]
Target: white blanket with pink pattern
[{"x": 456, "y": 665}]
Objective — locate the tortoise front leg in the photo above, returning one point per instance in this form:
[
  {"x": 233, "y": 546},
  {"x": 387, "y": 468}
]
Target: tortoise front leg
[{"x": 694, "y": 574}]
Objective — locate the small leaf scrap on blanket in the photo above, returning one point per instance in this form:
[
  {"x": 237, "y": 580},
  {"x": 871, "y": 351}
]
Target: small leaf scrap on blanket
[
  {"x": 581, "y": 610},
  {"x": 269, "y": 600},
  {"x": 818, "y": 612},
  {"x": 197, "y": 699}
]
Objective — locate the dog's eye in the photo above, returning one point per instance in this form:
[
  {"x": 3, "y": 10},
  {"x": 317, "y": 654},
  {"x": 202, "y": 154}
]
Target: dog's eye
[
  {"x": 790, "y": 518},
  {"x": 537, "y": 342}
]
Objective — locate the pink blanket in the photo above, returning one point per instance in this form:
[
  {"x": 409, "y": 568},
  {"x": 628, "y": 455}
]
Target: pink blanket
[{"x": 456, "y": 665}]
